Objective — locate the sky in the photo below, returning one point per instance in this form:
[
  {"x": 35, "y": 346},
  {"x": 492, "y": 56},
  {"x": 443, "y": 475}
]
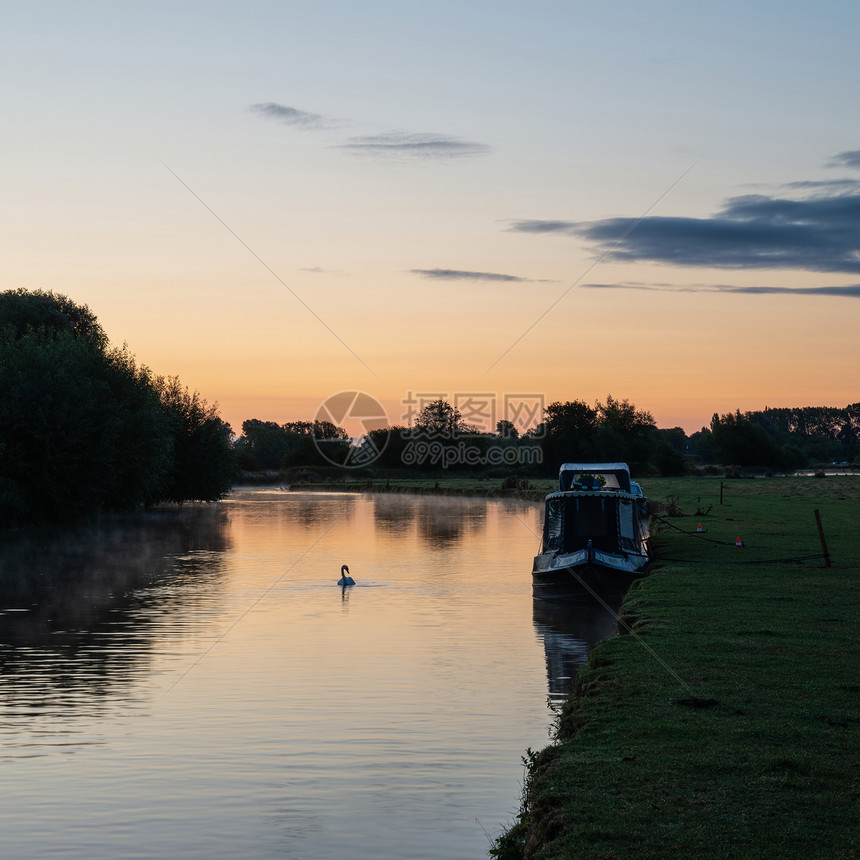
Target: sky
[{"x": 489, "y": 202}]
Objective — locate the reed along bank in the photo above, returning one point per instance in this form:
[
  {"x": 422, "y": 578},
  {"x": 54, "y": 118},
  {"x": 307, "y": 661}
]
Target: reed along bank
[{"x": 722, "y": 720}]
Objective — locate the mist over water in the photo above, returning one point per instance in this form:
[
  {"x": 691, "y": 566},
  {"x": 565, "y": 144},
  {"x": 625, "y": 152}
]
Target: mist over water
[{"x": 193, "y": 683}]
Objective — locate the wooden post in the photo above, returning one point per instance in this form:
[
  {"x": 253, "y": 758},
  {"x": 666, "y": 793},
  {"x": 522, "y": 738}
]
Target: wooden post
[
  {"x": 821, "y": 538},
  {"x": 721, "y": 492}
]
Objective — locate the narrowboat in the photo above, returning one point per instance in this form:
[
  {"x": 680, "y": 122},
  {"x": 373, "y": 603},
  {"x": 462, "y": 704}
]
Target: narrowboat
[{"x": 595, "y": 531}]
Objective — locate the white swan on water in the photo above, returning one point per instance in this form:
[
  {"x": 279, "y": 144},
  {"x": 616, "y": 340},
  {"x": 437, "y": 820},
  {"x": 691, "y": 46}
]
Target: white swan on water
[{"x": 345, "y": 578}]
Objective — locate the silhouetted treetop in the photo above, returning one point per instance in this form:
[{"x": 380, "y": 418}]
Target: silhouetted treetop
[{"x": 50, "y": 313}]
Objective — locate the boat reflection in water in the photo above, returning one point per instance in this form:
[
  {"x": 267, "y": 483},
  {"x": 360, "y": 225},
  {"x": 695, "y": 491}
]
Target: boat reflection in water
[
  {"x": 569, "y": 629},
  {"x": 594, "y": 546}
]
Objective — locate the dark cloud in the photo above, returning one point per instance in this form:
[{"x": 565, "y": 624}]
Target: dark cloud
[
  {"x": 849, "y": 158},
  {"x": 292, "y": 116},
  {"x": 850, "y": 291},
  {"x": 414, "y": 145},
  {"x": 458, "y": 275},
  {"x": 824, "y": 185},
  {"x": 819, "y": 233}
]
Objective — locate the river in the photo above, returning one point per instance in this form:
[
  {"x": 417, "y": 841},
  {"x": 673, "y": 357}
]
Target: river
[{"x": 192, "y": 683}]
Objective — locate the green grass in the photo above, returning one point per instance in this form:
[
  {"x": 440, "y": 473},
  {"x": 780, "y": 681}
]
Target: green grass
[{"x": 726, "y": 723}]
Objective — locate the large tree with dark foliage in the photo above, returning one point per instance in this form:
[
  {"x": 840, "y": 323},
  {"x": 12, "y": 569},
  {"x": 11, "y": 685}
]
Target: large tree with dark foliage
[
  {"x": 440, "y": 420},
  {"x": 737, "y": 440},
  {"x": 568, "y": 433},
  {"x": 83, "y": 428},
  {"x": 269, "y": 445},
  {"x": 203, "y": 459},
  {"x": 613, "y": 431},
  {"x": 51, "y": 314}
]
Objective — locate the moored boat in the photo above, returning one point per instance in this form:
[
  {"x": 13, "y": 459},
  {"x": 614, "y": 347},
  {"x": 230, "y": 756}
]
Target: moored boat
[{"x": 595, "y": 532}]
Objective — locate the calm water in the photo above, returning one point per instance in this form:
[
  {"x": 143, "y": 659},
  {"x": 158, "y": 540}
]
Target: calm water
[{"x": 193, "y": 684}]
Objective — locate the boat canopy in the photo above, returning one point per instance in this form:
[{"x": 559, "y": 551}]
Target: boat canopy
[{"x": 615, "y": 476}]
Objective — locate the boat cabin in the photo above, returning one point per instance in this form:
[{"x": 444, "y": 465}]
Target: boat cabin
[{"x": 596, "y": 505}]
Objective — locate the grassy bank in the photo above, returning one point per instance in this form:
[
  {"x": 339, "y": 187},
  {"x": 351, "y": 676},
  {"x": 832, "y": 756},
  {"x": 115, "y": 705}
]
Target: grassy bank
[{"x": 724, "y": 723}]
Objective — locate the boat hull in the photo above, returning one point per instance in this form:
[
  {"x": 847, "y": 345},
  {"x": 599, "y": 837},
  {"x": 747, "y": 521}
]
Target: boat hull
[{"x": 585, "y": 571}]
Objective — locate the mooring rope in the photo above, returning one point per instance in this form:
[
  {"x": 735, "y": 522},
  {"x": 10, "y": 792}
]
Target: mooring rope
[{"x": 698, "y": 535}]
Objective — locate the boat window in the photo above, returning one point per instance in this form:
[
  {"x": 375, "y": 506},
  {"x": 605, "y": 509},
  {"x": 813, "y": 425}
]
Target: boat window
[
  {"x": 590, "y": 518},
  {"x": 626, "y": 525},
  {"x": 552, "y": 527}
]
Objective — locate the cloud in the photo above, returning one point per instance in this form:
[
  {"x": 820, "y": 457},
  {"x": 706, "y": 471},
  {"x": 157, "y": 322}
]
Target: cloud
[
  {"x": 458, "y": 275},
  {"x": 319, "y": 270},
  {"x": 849, "y": 158},
  {"x": 824, "y": 185},
  {"x": 570, "y": 227},
  {"x": 850, "y": 291},
  {"x": 414, "y": 145},
  {"x": 819, "y": 233},
  {"x": 401, "y": 145},
  {"x": 293, "y": 116}
]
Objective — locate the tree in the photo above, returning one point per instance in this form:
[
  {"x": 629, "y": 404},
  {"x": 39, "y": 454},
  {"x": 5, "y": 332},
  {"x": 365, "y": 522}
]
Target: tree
[
  {"x": 568, "y": 429},
  {"x": 700, "y": 447},
  {"x": 84, "y": 429},
  {"x": 51, "y": 314},
  {"x": 440, "y": 420},
  {"x": 142, "y": 447},
  {"x": 506, "y": 430},
  {"x": 81, "y": 430},
  {"x": 387, "y": 445},
  {"x": 573, "y": 418},
  {"x": 264, "y": 442},
  {"x": 612, "y": 431},
  {"x": 735, "y": 440},
  {"x": 624, "y": 432},
  {"x": 674, "y": 437},
  {"x": 203, "y": 458},
  {"x": 315, "y": 443}
]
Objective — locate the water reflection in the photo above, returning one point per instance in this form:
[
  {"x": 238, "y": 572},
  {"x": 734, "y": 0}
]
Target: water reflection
[
  {"x": 443, "y": 521},
  {"x": 311, "y": 511},
  {"x": 394, "y": 513},
  {"x": 78, "y": 607},
  {"x": 276, "y": 507},
  {"x": 569, "y": 630}
]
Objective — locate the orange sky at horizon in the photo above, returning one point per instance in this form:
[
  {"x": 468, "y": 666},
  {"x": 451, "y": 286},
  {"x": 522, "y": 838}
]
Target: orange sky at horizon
[{"x": 722, "y": 356}]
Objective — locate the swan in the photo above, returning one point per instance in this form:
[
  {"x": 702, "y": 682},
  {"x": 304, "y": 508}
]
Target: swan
[{"x": 345, "y": 578}]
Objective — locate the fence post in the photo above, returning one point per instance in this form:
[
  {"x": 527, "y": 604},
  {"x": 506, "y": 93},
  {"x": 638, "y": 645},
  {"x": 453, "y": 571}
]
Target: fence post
[{"x": 821, "y": 538}]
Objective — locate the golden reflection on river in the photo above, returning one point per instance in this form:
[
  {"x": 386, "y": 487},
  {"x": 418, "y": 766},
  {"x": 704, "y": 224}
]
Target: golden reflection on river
[{"x": 192, "y": 683}]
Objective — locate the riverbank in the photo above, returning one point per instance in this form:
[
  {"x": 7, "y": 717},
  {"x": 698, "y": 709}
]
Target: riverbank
[
  {"x": 496, "y": 488},
  {"x": 723, "y": 722}
]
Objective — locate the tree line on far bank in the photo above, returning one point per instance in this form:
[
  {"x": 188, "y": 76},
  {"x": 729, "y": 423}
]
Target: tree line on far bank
[
  {"x": 614, "y": 430},
  {"x": 84, "y": 428}
]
